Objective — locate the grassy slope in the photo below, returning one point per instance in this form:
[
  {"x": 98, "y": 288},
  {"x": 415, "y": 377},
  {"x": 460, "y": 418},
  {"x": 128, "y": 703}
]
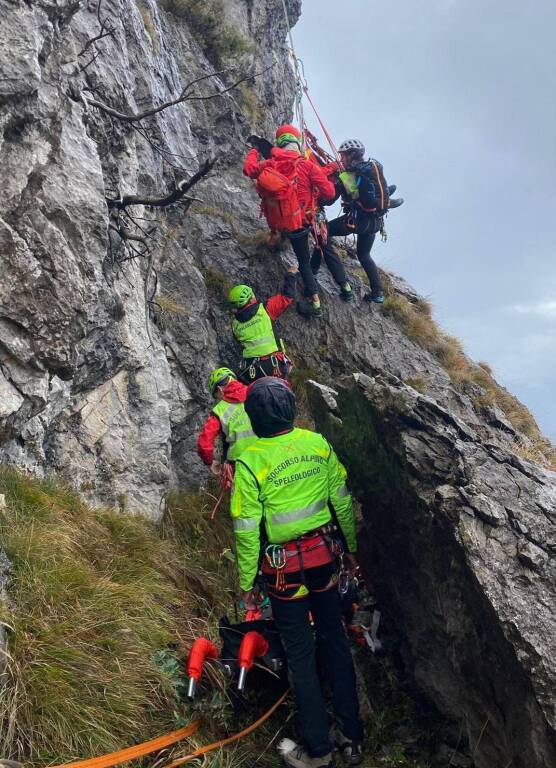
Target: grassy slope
[
  {"x": 94, "y": 596},
  {"x": 477, "y": 379}
]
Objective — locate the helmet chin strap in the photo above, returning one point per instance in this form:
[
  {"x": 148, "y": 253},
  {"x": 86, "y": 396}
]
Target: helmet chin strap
[{"x": 252, "y": 300}]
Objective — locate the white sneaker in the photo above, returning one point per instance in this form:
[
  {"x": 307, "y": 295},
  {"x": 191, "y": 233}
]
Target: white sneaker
[
  {"x": 351, "y": 751},
  {"x": 294, "y": 755}
]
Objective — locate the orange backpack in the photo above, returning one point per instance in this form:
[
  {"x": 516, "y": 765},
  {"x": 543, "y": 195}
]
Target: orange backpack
[{"x": 279, "y": 201}]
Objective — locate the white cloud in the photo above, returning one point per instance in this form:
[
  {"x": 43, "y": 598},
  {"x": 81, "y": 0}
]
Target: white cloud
[{"x": 546, "y": 309}]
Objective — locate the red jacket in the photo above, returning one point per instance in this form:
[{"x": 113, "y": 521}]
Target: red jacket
[
  {"x": 234, "y": 392},
  {"x": 312, "y": 183}
]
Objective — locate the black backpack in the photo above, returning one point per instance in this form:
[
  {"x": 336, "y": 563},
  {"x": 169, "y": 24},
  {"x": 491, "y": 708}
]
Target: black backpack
[{"x": 373, "y": 187}]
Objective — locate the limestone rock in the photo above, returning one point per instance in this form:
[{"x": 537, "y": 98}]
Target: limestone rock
[{"x": 462, "y": 560}]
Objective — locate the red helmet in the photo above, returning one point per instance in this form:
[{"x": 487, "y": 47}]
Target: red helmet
[{"x": 286, "y": 133}]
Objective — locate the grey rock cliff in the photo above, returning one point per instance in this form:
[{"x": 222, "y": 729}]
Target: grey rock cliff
[{"x": 83, "y": 389}]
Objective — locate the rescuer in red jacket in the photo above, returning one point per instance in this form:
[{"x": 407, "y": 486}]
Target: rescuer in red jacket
[
  {"x": 310, "y": 185},
  {"x": 227, "y": 420}
]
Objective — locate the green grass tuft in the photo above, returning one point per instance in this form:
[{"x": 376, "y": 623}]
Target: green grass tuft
[
  {"x": 217, "y": 285},
  {"x": 219, "y": 40},
  {"x": 418, "y": 325}
]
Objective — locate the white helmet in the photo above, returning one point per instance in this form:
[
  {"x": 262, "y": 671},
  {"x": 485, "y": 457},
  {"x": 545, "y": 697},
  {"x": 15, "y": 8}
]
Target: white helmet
[{"x": 351, "y": 144}]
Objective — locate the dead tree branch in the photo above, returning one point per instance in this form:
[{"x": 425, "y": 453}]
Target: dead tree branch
[
  {"x": 185, "y": 95},
  {"x": 106, "y": 30},
  {"x": 180, "y": 192}
]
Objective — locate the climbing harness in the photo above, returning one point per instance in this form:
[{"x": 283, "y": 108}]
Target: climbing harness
[
  {"x": 280, "y": 367},
  {"x": 313, "y": 549}
]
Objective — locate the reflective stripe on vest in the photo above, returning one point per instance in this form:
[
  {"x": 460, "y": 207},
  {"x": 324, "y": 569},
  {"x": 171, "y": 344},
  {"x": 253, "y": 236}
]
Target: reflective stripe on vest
[
  {"x": 292, "y": 476},
  {"x": 245, "y": 524},
  {"x": 236, "y": 427},
  {"x": 256, "y": 335},
  {"x": 342, "y": 491},
  {"x": 299, "y": 514}
]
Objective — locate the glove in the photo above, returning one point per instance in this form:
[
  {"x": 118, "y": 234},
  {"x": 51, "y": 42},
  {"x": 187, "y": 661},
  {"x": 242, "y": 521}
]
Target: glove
[{"x": 261, "y": 144}]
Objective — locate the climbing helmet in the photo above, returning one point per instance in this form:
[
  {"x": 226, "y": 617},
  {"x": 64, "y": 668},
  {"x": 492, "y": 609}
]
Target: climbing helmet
[
  {"x": 218, "y": 377},
  {"x": 240, "y": 295},
  {"x": 351, "y": 145},
  {"x": 286, "y": 134}
]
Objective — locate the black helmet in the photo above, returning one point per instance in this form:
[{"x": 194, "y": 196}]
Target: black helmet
[{"x": 270, "y": 405}]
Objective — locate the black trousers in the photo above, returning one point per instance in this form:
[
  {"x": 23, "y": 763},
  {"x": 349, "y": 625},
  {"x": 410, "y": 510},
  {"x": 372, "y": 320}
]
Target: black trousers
[
  {"x": 298, "y": 637},
  {"x": 365, "y": 228},
  {"x": 300, "y": 244},
  {"x": 332, "y": 260}
]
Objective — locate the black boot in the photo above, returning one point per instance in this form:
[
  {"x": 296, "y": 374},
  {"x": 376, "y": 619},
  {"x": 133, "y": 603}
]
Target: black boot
[
  {"x": 391, "y": 189},
  {"x": 309, "y": 309}
]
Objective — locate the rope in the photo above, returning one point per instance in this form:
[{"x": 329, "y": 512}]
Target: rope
[
  {"x": 139, "y": 750},
  {"x": 301, "y": 85},
  {"x": 154, "y": 745},
  {"x": 229, "y": 739},
  {"x": 322, "y": 125}
]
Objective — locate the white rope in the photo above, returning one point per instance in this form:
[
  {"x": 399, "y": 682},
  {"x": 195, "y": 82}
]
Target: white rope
[{"x": 299, "y": 82}]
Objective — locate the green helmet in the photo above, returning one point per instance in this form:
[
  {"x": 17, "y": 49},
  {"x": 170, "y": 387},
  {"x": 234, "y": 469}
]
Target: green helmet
[
  {"x": 217, "y": 377},
  {"x": 240, "y": 295}
]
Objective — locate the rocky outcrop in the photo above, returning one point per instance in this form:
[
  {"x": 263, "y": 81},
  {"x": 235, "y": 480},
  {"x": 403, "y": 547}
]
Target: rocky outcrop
[
  {"x": 86, "y": 389},
  {"x": 459, "y": 537}
]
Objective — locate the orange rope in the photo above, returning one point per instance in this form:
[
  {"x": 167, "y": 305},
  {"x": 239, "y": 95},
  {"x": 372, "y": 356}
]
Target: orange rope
[
  {"x": 322, "y": 125},
  {"x": 130, "y": 753},
  {"x": 229, "y": 739}
]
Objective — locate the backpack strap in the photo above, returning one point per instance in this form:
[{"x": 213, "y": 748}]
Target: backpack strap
[{"x": 382, "y": 195}]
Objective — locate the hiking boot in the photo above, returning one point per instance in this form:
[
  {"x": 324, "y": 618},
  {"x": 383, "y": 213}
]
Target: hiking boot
[
  {"x": 346, "y": 293},
  {"x": 309, "y": 308},
  {"x": 391, "y": 189},
  {"x": 307, "y": 293},
  {"x": 351, "y": 751},
  {"x": 376, "y": 298},
  {"x": 395, "y": 202},
  {"x": 294, "y": 755}
]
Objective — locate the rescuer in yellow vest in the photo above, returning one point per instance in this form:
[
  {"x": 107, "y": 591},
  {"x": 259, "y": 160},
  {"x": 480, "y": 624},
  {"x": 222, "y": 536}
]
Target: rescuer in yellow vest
[
  {"x": 291, "y": 483},
  {"x": 227, "y": 419},
  {"x": 252, "y": 328}
]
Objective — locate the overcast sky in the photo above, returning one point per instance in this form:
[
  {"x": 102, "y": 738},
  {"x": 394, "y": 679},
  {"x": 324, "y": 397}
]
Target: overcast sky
[{"x": 457, "y": 98}]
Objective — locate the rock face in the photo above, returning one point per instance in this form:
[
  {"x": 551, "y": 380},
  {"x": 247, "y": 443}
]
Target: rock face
[
  {"x": 84, "y": 390},
  {"x": 104, "y": 357},
  {"x": 460, "y": 538}
]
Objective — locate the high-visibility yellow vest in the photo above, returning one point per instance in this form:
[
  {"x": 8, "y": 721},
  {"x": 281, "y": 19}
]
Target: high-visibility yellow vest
[
  {"x": 236, "y": 427},
  {"x": 256, "y": 335},
  {"x": 286, "y": 482}
]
